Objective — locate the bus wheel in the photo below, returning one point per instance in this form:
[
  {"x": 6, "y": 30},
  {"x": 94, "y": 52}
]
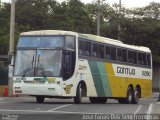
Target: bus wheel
[
  {"x": 78, "y": 98},
  {"x": 40, "y": 99},
  {"x": 136, "y": 96},
  {"x": 129, "y": 98}
]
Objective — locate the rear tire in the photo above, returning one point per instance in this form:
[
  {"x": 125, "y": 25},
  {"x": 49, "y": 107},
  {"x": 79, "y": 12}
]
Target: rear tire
[
  {"x": 129, "y": 98},
  {"x": 40, "y": 99},
  {"x": 136, "y": 96},
  {"x": 130, "y": 93},
  {"x": 78, "y": 98}
]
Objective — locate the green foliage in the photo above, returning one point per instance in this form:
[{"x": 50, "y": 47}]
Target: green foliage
[{"x": 140, "y": 26}]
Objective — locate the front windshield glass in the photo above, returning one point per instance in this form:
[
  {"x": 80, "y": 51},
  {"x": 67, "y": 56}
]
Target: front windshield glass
[
  {"x": 41, "y": 41},
  {"x": 41, "y": 63},
  {"x": 24, "y": 62},
  {"x": 48, "y": 62}
]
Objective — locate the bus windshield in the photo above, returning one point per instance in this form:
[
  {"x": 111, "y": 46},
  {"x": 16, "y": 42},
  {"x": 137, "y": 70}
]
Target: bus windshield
[{"x": 40, "y": 63}]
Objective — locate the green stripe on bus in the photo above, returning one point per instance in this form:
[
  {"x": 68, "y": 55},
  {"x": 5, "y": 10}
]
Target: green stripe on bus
[
  {"x": 104, "y": 78},
  {"x": 100, "y": 78},
  {"x": 96, "y": 78}
]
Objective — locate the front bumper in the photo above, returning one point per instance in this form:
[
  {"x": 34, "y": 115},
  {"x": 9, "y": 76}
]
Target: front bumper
[{"x": 37, "y": 89}]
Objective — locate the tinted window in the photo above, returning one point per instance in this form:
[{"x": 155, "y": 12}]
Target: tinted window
[
  {"x": 148, "y": 60},
  {"x": 69, "y": 42},
  {"x": 87, "y": 49},
  {"x": 141, "y": 59},
  {"x": 121, "y": 55},
  {"x": 135, "y": 57},
  {"x": 95, "y": 50},
  {"x": 81, "y": 47},
  {"x": 110, "y": 53},
  {"x": 144, "y": 61},
  {"x": 132, "y": 57},
  {"x": 101, "y": 51}
]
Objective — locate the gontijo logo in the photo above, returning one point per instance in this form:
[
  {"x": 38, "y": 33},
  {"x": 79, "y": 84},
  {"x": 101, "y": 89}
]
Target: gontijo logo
[{"x": 124, "y": 70}]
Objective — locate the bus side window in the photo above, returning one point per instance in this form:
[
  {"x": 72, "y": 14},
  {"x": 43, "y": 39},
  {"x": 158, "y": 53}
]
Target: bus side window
[
  {"x": 87, "y": 48},
  {"x": 134, "y": 57},
  {"x": 139, "y": 58},
  {"x": 101, "y": 51},
  {"x": 130, "y": 56},
  {"x": 119, "y": 54},
  {"x": 148, "y": 60},
  {"x": 81, "y": 47},
  {"x": 144, "y": 62},
  {"x": 107, "y": 53},
  {"x": 70, "y": 42},
  {"x": 95, "y": 50},
  {"x": 68, "y": 64},
  {"x": 113, "y": 53},
  {"x": 122, "y": 55}
]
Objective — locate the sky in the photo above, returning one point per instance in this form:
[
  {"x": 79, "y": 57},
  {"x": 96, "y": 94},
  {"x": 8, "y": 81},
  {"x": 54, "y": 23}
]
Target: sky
[{"x": 125, "y": 3}]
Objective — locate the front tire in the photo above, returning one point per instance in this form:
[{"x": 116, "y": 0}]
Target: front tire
[
  {"x": 78, "y": 98},
  {"x": 40, "y": 99}
]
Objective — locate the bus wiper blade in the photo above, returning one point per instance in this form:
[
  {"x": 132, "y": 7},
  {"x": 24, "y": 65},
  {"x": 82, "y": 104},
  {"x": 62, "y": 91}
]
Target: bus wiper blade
[{"x": 32, "y": 61}]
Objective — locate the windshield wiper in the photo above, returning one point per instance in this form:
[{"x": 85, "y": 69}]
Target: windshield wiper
[{"x": 32, "y": 61}]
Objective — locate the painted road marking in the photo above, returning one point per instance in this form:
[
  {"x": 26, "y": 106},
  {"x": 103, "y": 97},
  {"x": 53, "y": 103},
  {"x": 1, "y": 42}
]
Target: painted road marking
[
  {"x": 60, "y": 107},
  {"x": 149, "y": 112},
  {"x": 138, "y": 109}
]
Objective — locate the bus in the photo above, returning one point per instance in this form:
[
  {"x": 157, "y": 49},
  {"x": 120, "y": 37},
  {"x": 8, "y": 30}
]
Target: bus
[{"x": 66, "y": 64}]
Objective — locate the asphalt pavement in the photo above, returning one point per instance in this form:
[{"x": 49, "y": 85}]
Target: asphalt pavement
[{"x": 26, "y": 108}]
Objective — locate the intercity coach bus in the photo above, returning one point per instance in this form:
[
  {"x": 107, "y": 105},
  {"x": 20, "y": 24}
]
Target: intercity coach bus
[{"x": 65, "y": 64}]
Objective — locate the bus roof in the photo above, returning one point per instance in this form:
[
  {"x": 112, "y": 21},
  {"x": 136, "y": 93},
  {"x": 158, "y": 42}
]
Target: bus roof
[
  {"x": 49, "y": 32},
  {"x": 88, "y": 37}
]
